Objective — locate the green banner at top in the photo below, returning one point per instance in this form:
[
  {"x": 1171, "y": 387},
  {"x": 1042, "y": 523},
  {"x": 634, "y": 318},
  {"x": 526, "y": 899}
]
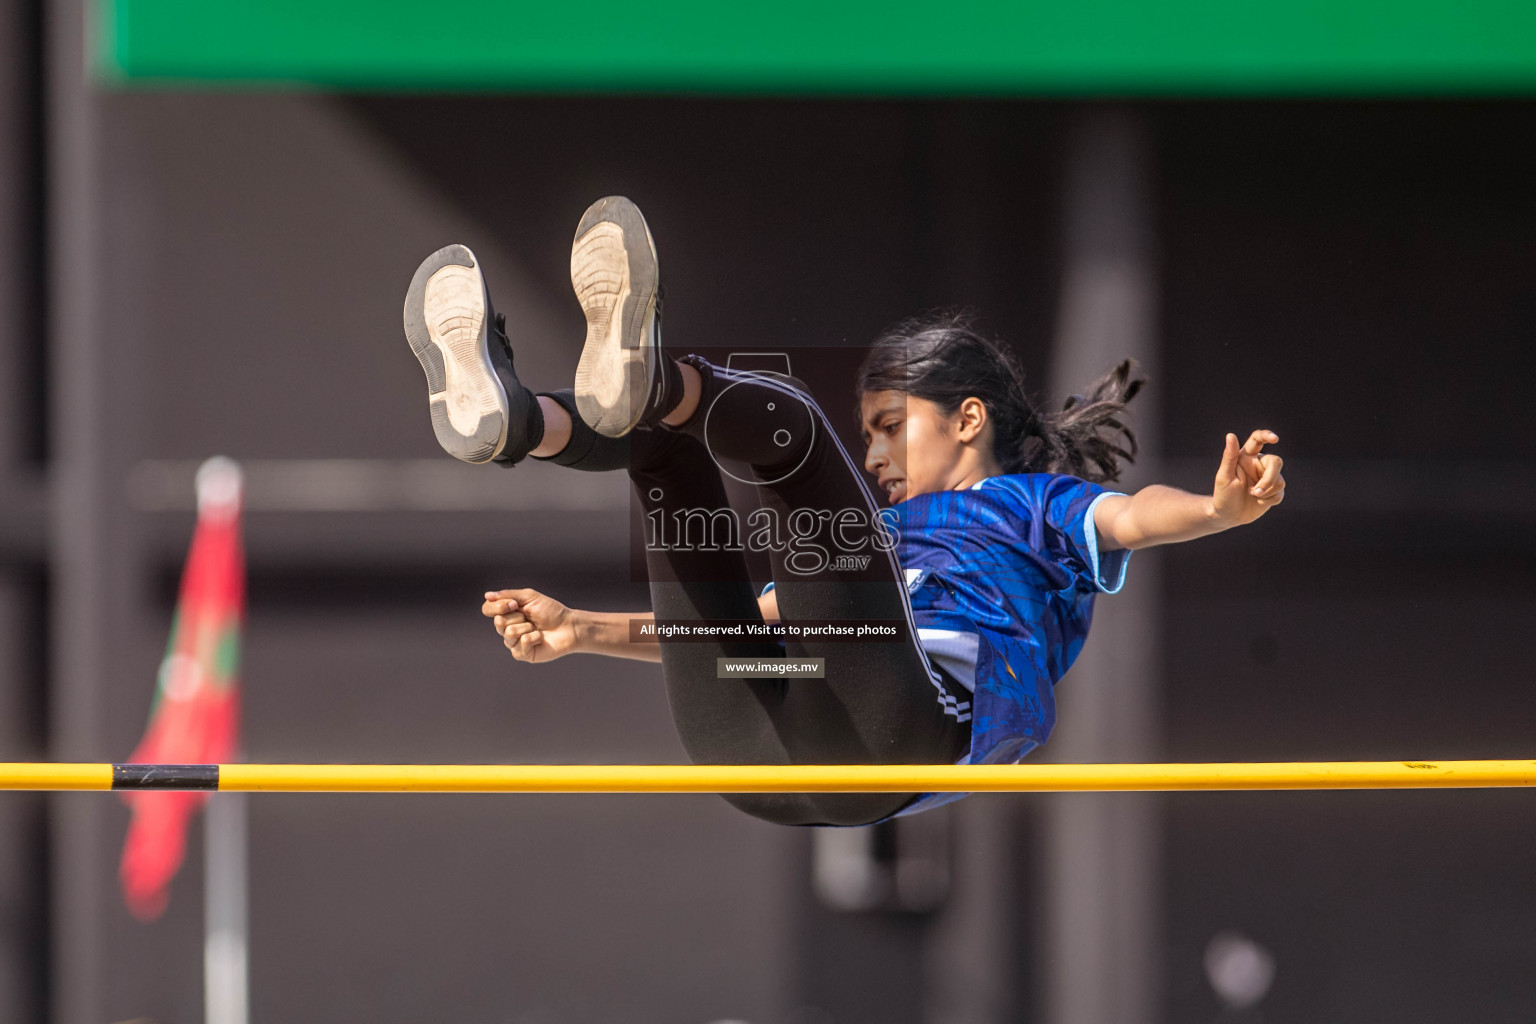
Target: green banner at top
[{"x": 830, "y": 47}]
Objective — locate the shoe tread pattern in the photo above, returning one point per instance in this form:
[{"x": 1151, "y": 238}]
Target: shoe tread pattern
[
  {"x": 445, "y": 321},
  {"x": 615, "y": 276}
]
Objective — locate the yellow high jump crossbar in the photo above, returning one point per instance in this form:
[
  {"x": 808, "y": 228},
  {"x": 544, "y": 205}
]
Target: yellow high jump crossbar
[{"x": 673, "y": 778}]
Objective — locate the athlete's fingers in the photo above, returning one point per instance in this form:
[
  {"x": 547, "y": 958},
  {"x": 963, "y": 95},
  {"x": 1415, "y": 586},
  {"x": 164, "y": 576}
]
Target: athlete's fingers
[
  {"x": 518, "y": 644},
  {"x": 1257, "y": 440},
  {"x": 527, "y": 645},
  {"x": 517, "y": 629},
  {"x": 1226, "y": 472},
  {"x": 1271, "y": 464},
  {"x": 500, "y": 600}
]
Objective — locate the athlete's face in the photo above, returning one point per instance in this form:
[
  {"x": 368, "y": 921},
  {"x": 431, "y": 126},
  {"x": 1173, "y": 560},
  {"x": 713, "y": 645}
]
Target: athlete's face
[{"x": 913, "y": 448}]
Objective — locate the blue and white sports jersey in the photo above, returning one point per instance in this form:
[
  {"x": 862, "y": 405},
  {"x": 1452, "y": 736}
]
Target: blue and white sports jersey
[{"x": 1001, "y": 578}]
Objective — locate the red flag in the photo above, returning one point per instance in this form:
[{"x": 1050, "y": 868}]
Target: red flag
[{"x": 195, "y": 718}]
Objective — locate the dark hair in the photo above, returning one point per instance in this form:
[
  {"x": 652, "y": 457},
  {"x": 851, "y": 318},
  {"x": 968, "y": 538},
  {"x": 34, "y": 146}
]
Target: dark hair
[{"x": 942, "y": 358}]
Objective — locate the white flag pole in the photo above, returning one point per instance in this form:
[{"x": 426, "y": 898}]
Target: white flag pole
[
  {"x": 226, "y": 992},
  {"x": 225, "y": 946}
]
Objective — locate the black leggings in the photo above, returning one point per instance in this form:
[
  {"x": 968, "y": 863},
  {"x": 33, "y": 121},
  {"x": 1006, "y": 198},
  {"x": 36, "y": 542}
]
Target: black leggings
[{"x": 880, "y": 702}]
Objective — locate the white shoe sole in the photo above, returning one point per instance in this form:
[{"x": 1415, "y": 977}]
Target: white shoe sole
[
  {"x": 615, "y": 276},
  {"x": 446, "y": 313}
]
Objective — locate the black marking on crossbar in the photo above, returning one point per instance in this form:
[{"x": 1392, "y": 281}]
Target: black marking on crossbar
[{"x": 165, "y": 776}]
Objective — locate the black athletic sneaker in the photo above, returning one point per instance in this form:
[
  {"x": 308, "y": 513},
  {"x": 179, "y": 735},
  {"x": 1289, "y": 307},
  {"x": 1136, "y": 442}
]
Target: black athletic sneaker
[
  {"x": 479, "y": 409},
  {"x": 623, "y": 380}
]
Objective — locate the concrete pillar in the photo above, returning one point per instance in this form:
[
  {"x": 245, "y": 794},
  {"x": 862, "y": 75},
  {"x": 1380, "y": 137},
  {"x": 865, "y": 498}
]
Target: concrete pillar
[
  {"x": 1100, "y": 862},
  {"x": 88, "y": 518},
  {"x": 23, "y": 903},
  {"x": 18, "y": 236}
]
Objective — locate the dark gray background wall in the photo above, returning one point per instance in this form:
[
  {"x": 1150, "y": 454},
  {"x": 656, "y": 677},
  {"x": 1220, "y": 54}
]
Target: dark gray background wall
[{"x": 1355, "y": 275}]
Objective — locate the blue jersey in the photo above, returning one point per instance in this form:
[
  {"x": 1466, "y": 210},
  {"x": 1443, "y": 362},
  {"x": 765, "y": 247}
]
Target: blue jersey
[
  {"x": 1002, "y": 579},
  {"x": 1014, "y": 562}
]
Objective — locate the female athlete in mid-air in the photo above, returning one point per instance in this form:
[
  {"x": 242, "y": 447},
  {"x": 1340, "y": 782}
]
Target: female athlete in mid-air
[{"x": 984, "y": 567}]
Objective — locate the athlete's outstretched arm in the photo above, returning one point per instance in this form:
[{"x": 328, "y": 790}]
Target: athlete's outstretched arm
[
  {"x": 536, "y": 628},
  {"x": 1248, "y": 484}
]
